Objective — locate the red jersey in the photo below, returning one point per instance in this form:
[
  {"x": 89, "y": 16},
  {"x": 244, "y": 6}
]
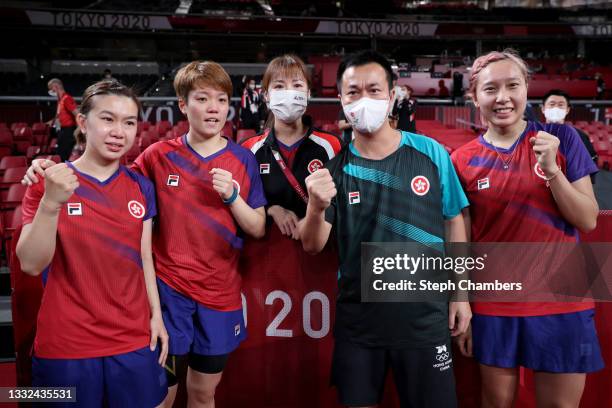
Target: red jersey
[
  {"x": 197, "y": 242},
  {"x": 514, "y": 204},
  {"x": 65, "y": 106},
  {"x": 95, "y": 302}
]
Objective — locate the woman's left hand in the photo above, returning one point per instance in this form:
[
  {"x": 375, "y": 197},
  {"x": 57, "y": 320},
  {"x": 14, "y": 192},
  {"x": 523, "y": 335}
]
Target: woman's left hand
[
  {"x": 545, "y": 147},
  {"x": 158, "y": 331}
]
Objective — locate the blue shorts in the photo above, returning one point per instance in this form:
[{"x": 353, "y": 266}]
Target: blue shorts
[
  {"x": 133, "y": 379},
  {"x": 558, "y": 343},
  {"x": 194, "y": 328}
]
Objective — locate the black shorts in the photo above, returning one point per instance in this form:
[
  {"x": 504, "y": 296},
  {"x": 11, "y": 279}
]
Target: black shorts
[{"x": 423, "y": 377}]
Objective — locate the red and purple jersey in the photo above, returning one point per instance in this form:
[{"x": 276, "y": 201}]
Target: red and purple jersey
[
  {"x": 514, "y": 204},
  {"x": 197, "y": 242},
  {"x": 95, "y": 301}
]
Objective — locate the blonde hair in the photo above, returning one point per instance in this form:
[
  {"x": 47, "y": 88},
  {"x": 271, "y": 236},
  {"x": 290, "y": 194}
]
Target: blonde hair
[
  {"x": 485, "y": 60},
  {"x": 201, "y": 73}
]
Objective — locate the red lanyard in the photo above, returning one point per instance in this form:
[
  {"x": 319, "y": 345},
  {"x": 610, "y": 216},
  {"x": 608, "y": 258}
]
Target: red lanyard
[{"x": 290, "y": 177}]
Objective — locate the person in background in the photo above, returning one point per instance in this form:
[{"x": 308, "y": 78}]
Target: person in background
[
  {"x": 556, "y": 107},
  {"x": 404, "y": 109},
  {"x": 65, "y": 116},
  {"x": 250, "y": 103}
]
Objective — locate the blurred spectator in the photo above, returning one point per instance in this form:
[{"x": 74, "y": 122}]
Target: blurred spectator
[
  {"x": 250, "y": 106},
  {"x": 457, "y": 87},
  {"x": 65, "y": 118},
  {"x": 556, "y": 107},
  {"x": 443, "y": 91},
  {"x": 404, "y": 109}
]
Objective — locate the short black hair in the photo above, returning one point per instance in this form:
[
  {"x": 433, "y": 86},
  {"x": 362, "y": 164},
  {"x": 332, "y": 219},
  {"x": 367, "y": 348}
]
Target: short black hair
[
  {"x": 362, "y": 58},
  {"x": 556, "y": 92}
]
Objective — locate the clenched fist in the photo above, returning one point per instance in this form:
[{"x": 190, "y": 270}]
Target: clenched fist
[
  {"x": 222, "y": 183},
  {"x": 321, "y": 189},
  {"x": 545, "y": 147},
  {"x": 60, "y": 183}
]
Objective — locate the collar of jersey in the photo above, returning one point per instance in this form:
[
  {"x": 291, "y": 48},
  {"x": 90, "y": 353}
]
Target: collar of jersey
[
  {"x": 92, "y": 178},
  {"x": 208, "y": 158},
  {"x": 404, "y": 141},
  {"x": 482, "y": 140},
  {"x": 272, "y": 140}
]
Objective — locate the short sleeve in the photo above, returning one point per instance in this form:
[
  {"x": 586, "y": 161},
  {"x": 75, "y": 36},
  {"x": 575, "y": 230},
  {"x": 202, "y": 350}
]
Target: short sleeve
[
  {"x": 147, "y": 188},
  {"x": 453, "y": 196},
  {"x": 142, "y": 163},
  {"x": 70, "y": 104},
  {"x": 256, "y": 197},
  {"x": 31, "y": 201},
  {"x": 578, "y": 161}
]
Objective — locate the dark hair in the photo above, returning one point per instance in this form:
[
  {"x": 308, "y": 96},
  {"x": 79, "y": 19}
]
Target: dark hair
[
  {"x": 556, "y": 92},
  {"x": 362, "y": 58},
  {"x": 106, "y": 87}
]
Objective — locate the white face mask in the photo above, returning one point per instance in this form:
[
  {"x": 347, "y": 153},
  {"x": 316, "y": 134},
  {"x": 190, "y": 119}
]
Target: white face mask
[
  {"x": 251, "y": 86},
  {"x": 554, "y": 115},
  {"x": 367, "y": 115},
  {"x": 52, "y": 93},
  {"x": 288, "y": 105},
  {"x": 401, "y": 94}
]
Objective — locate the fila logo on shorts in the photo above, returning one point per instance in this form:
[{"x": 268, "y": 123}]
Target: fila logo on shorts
[
  {"x": 354, "y": 197},
  {"x": 237, "y": 330},
  {"x": 420, "y": 185},
  {"x": 314, "y": 165},
  {"x": 483, "y": 184},
  {"x": 264, "y": 168},
  {"x": 173, "y": 180},
  {"x": 75, "y": 209},
  {"x": 136, "y": 209}
]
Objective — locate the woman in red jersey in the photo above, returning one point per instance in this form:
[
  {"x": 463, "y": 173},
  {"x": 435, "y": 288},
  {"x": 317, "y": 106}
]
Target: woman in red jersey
[{"x": 526, "y": 182}]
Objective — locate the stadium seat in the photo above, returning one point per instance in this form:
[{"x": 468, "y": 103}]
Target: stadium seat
[
  {"x": 228, "y": 130},
  {"x": 22, "y": 146},
  {"x": 8, "y": 162},
  {"x": 23, "y": 133},
  {"x": 163, "y": 126},
  {"x": 145, "y": 140},
  {"x": 12, "y": 175},
  {"x": 132, "y": 154},
  {"x": 51, "y": 146},
  {"x": 14, "y": 195},
  {"x": 244, "y": 134},
  {"x": 32, "y": 152}
]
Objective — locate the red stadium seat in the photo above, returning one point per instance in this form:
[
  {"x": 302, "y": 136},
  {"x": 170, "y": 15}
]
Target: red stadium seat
[
  {"x": 32, "y": 152},
  {"x": 22, "y": 146},
  {"x": 163, "y": 126},
  {"x": 6, "y": 138},
  {"x": 244, "y": 134},
  {"x": 8, "y": 162},
  {"x": 14, "y": 195},
  {"x": 23, "y": 133},
  {"x": 228, "y": 130},
  {"x": 17, "y": 125},
  {"x": 51, "y": 146},
  {"x": 12, "y": 175},
  {"x": 145, "y": 140}
]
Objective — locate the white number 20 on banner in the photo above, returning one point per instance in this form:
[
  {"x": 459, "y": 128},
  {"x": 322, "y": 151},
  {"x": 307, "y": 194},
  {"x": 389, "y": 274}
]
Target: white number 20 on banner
[{"x": 273, "y": 328}]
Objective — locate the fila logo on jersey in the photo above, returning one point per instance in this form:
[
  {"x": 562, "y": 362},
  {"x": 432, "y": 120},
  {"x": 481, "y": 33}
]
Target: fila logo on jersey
[
  {"x": 75, "y": 209},
  {"x": 136, "y": 209},
  {"x": 314, "y": 165},
  {"x": 264, "y": 168},
  {"x": 483, "y": 184},
  {"x": 354, "y": 197},
  {"x": 173, "y": 180},
  {"x": 420, "y": 185}
]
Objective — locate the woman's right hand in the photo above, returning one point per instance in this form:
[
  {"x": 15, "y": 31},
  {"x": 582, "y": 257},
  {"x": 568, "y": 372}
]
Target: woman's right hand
[
  {"x": 38, "y": 166},
  {"x": 60, "y": 183},
  {"x": 286, "y": 220}
]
